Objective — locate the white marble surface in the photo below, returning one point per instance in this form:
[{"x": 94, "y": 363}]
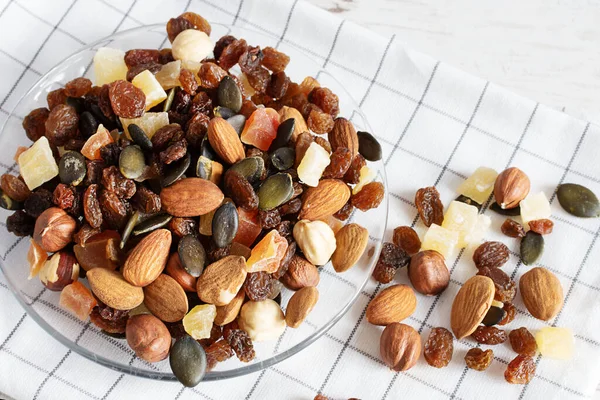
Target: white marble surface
[{"x": 547, "y": 50}]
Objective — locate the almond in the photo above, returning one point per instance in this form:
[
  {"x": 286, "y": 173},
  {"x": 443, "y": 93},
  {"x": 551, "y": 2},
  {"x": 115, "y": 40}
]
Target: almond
[
  {"x": 351, "y": 242},
  {"x": 323, "y": 200},
  {"x": 225, "y": 141},
  {"x": 392, "y": 304},
  {"x": 299, "y": 125},
  {"x": 229, "y": 312},
  {"x": 343, "y": 134},
  {"x": 113, "y": 290},
  {"x": 166, "y": 299},
  {"x": 221, "y": 281},
  {"x": 542, "y": 293},
  {"x": 300, "y": 305},
  {"x": 512, "y": 186},
  {"x": 300, "y": 273},
  {"x": 471, "y": 303},
  {"x": 148, "y": 258},
  {"x": 191, "y": 197}
]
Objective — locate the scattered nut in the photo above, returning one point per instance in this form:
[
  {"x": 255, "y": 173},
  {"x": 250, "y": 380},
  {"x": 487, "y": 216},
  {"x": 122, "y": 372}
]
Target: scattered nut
[
  {"x": 392, "y": 304},
  {"x": 542, "y": 293},
  {"x": 316, "y": 240},
  {"x": 59, "y": 271},
  {"x": 54, "y": 229},
  {"x": 512, "y": 186},
  {"x": 262, "y": 320},
  {"x": 148, "y": 337},
  {"x": 428, "y": 273},
  {"x": 400, "y": 346},
  {"x": 300, "y": 305}
]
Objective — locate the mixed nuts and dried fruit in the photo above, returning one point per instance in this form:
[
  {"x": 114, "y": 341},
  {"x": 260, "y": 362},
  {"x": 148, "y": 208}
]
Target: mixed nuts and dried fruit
[{"x": 175, "y": 198}]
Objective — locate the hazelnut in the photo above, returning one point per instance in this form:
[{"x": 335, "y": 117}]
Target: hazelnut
[
  {"x": 428, "y": 273},
  {"x": 54, "y": 229},
  {"x": 300, "y": 274},
  {"x": 262, "y": 320},
  {"x": 512, "y": 186},
  {"x": 316, "y": 240},
  {"x": 59, "y": 271},
  {"x": 148, "y": 337},
  {"x": 400, "y": 346},
  {"x": 191, "y": 45}
]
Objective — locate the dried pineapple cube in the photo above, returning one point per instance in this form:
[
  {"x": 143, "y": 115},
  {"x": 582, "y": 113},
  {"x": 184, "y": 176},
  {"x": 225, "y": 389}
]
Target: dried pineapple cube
[
  {"x": 480, "y": 185},
  {"x": 150, "y": 122},
  {"x": 146, "y": 81},
  {"x": 479, "y": 230},
  {"x": 37, "y": 164},
  {"x": 314, "y": 162},
  {"x": 440, "y": 239},
  {"x": 109, "y": 65},
  {"x": 168, "y": 76},
  {"x": 535, "y": 206},
  {"x": 555, "y": 342},
  {"x": 198, "y": 321},
  {"x": 461, "y": 218},
  {"x": 367, "y": 175}
]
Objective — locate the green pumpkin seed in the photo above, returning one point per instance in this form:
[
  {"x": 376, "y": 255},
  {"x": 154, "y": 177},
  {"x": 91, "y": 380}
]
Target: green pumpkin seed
[
  {"x": 192, "y": 255},
  {"x": 169, "y": 100},
  {"x": 139, "y": 137},
  {"x": 275, "y": 190},
  {"x": 188, "y": 361},
  {"x": 578, "y": 200},
  {"x": 176, "y": 170},
  {"x": 151, "y": 224},
  {"x": 493, "y": 316},
  {"x": 229, "y": 94},
  {"x": 225, "y": 225},
  {"x": 467, "y": 200},
  {"x": 206, "y": 150},
  {"x": 9, "y": 204},
  {"x": 238, "y": 122},
  {"x": 133, "y": 221},
  {"x": 204, "y": 168},
  {"x": 284, "y": 134},
  {"x": 368, "y": 146},
  {"x": 532, "y": 247},
  {"x": 510, "y": 212},
  {"x": 223, "y": 112},
  {"x": 132, "y": 162},
  {"x": 283, "y": 158},
  {"x": 250, "y": 168},
  {"x": 72, "y": 168}
]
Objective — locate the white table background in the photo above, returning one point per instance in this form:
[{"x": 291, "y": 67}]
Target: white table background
[{"x": 546, "y": 50}]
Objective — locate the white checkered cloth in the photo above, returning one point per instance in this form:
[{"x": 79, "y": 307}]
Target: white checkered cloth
[{"x": 436, "y": 125}]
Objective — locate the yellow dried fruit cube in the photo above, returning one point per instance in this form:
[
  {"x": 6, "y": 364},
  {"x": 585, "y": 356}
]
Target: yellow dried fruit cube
[
  {"x": 199, "y": 320},
  {"x": 168, "y": 76},
  {"x": 150, "y": 122},
  {"x": 367, "y": 175},
  {"x": 555, "y": 342},
  {"x": 535, "y": 206},
  {"x": 146, "y": 81},
  {"x": 314, "y": 162},
  {"x": 109, "y": 65},
  {"x": 479, "y": 230},
  {"x": 37, "y": 164},
  {"x": 480, "y": 185},
  {"x": 461, "y": 218},
  {"x": 440, "y": 239}
]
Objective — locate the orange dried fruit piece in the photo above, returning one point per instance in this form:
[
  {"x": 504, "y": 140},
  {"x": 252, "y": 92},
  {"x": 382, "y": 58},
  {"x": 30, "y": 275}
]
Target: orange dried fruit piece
[
  {"x": 268, "y": 253},
  {"x": 248, "y": 227},
  {"x": 261, "y": 128},
  {"x": 91, "y": 148},
  {"x": 36, "y": 256},
  {"x": 99, "y": 251},
  {"x": 78, "y": 300}
]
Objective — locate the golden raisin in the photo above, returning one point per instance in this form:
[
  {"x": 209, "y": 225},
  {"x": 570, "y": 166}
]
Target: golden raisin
[
  {"x": 478, "y": 359},
  {"x": 407, "y": 239},
  {"x": 429, "y": 206},
  {"x": 489, "y": 335},
  {"x": 522, "y": 342},
  {"x": 541, "y": 226},
  {"x": 512, "y": 228},
  {"x": 439, "y": 347},
  {"x": 370, "y": 196},
  {"x": 491, "y": 255},
  {"x": 521, "y": 370}
]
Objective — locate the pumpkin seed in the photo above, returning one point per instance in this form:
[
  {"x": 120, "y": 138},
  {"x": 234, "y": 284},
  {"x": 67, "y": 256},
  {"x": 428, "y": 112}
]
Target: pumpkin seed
[
  {"x": 229, "y": 94},
  {"x": 133, "y": 221},
  {"x": 188, "y": 361},
  {"x": 223, "y": 112},
  {"x": 493, "y": 316},
  {"x": 284, "y": 134},
  {"x": 238, "y": 122},
  {"x": 151, "y": 224},
  {"x": 132, "y": 162},
  {"x": 139, "y": 137},
  {"x": 368, "y": 146},
  {"x": 283, "y": 158},
  {"x": 169, "y": 100},
  {"x": 204, "y": 168},
  {"x": 468, "y": 200},
  {"x": 88, "y": 125},
  {"x": 9, "y": 204},
  {"x": 192, "y": 255},
  {"x": 275, "y": 190},
  {"x": 72, "y": 168},
  {"x": 176, "y": 170},
  {"x": 578, "y": 200},
  {"x": 510, "y": 212},
  {"x": 225, "y": 224},
  {"x": 532, "y": 247},
  {"x": 250, "y": 168},
  {"x": 206, "y": 150}
]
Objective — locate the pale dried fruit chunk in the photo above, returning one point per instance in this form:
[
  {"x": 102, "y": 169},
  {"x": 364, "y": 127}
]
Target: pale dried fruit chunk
[
  {"x": 479, "y": 230},
  {"x": 148, "y": 83},
  {"x": 109, "y": 66},
  {"x": 480, "y": 185},
  {"x": 150, "y": 122},
  {"x": 168, "y": 76},
  {"x": 192, "y": 45},
  {"x": 535, "y": 206},
  {"x": 314, "y": 162},
  {"x": 199, "y": 321},
  {"x": 440, "y": 239},
  {"x": 461, "y": 218},
  {"x": 554, "y": 342},
  {"x": 78, "y": 300},
  {"x": 36, "y": 256},
  {"x": 37, "y": 164},
  {"x": 367, "y": 175}
]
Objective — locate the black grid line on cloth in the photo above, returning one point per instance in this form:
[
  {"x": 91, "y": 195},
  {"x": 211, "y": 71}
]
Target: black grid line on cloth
[
  {"x": 58, "y": 28},
  {"x": 106, "y": 3},
  {"x": 37, "y": 53},
  {"x": 368, "y": 91},
  {"x": 21, "y": 63},
  {"x": 5, "y": 8},
  {"x": 116, "y": 382},
  {"x": 362, "y": 315},
  {"x": 331, "y": 49},
  {"x": 14, "y": 329},
  {"x": 287, "y": 24},
  {"x": 237, "y": 13}
]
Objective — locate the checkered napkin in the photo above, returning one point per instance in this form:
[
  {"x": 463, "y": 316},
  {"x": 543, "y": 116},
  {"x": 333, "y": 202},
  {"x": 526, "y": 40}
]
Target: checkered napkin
[{"x": 436, "y": 125}]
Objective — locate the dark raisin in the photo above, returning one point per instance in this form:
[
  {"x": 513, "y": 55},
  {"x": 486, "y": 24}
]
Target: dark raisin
[
  {"x": 512, "y": 228},
  {"x": 188, "y": 81},
  {"x": 506, "y": 288},
  {"x": 14, "y": 187},
  {"x": 326, "y": 100},
  {"x": 94, "y": 171},
  {"x": 63, "y": 196},
  {"x": 75, "y": 144},
  {"x": 489, "y": 335},
  {"x": 429, "y": 206},
  {"x": 62, "y": 124},
  {"x": 127, "y": 101},
  {"x": 104, "y": 102},
  {"x": 523, "y": 342},
  {"x": 165, "y": 135},
  {"x": 113, "y": 180},
  {"x": 370, "y": 196},
  {"x": 285, "y": 229},
  {"x": 285, "y": 261},
  {"x": 110, "y": 322},
  {"x": 278, "y": 85},
  {"x": 352, "y": 176},
  {"x": 165, "y": 56},
  {"x": 407, "y": 239},
  {"x": 439, "y": 347},
  {"x": 176, "y": 329},
  {"x": 38, "y": 202},
  {"x": 217, "y": 253},
  {"x": 248, "y": 107},
  {"x": 35, "y": 123},
  {"x": 216, "y": 333},
  {"x": 183, "y": 226},
  {"x": 274, "y": 60},
  {"x": 201, "y": 103},
  {"x": 339, "y": 164},
  {"x": 478, "y": 359},
  {"x": 510, "y": 311},
  {"x": 394, "y": 255},
  {"x": 242, "y": 345},
  {"x": 20, "y": 224},
  {"x": 259, "y": 79},
  {"x": 491, "y": 255},
  {"x": 384, "y": 273},
  {"x": 114, "y": 211},
  {"x": 196, "y": 129},
  {"x": 240, "y": 190},
  {"x": 136, "y": 57},
  {"x": 269, "y": 219},
  {"x": 223, "y": 42},
  {"x": 91, "y": 207},
  {"x": 146, "y": 201},
  {"x": 344, "y": 213},
  {"x": 78, "y": 87},
  {"x": 218, "y": 352},
  {"x": 210, "y": 75},
  {"x": 319, "y": 122},
  {"x": 521, "y": 370},
  {"x": 132, "y": 72},
  {"x": 257, "y": 285},
  {"x": 291, "y": 207},
  {"x": 174, "y": 152},
  {"x": 110, "y": 153}
]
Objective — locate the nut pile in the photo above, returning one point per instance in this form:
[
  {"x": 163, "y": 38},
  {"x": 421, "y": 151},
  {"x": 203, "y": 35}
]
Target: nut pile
[{"x": 174, "y": 198}]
